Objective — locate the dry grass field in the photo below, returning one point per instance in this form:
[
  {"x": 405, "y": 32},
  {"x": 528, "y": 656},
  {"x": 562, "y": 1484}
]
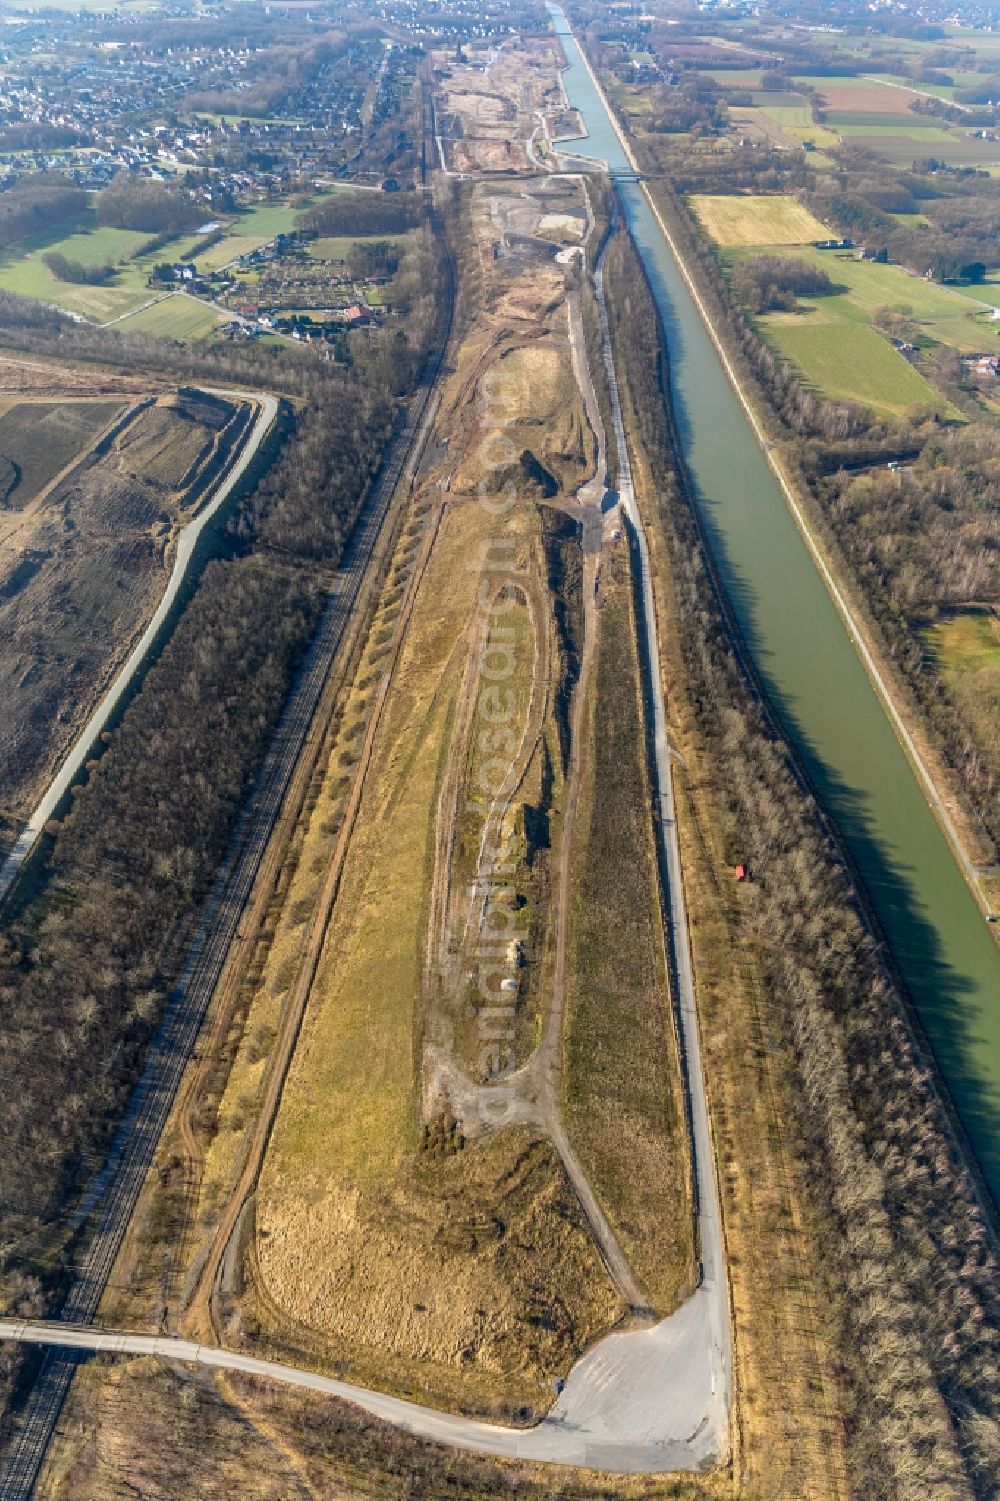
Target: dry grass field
[
  {"x": 85, "y": 547},
  {"x": 138, "y": 1428},
  {"x": 623, "y": 1110},
  {"x": 737, "y": 219},
  {"x": 419, "y": 1264},
  {"x": 394, "y": 1233}
]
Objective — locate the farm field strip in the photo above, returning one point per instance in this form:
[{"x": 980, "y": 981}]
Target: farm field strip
[
  {"x": 950, "y": 315},
  {"x": 829, "y": 337},
  {"x": 852, "y": 363},
  {"x": 738, "y": 219},
  {"x": 175, "y": 316}
]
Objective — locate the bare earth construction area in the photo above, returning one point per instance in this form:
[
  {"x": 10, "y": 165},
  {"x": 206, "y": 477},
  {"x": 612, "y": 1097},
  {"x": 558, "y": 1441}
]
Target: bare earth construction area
[
  {"x": 95, "y": 492},
  {"x": 462, "y": 1191},
  {"x": 451, "y": 1247}
]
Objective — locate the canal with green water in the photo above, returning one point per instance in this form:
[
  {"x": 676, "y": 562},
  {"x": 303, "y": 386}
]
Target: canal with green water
[{"x": 816, "y": 682}]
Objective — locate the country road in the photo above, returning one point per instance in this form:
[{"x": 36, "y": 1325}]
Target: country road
[{"x": 187, "y": 542}]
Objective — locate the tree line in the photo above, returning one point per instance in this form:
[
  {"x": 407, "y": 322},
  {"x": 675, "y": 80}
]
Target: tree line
[
  {"x": 65, "y": 269},
  {"x": 154, "y": 207},
  {"x": 40, "y": 201},
  {"x": 364, "y": 214},
  {"x": 766, "y": 283}
]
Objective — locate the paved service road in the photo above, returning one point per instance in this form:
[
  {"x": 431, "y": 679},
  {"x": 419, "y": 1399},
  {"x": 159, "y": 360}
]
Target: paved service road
[
  {"x": 186, "y": 543},
  {"x": 623, "y": 1408}
]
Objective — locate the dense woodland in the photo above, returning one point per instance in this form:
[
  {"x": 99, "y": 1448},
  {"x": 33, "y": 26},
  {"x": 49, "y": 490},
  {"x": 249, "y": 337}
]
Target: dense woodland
[
  {"x": 919, "y": 1351},
  {"x": 158, "y": 207},
  {"x": 769, "y": 282},
  {"x": 38, "y": 202},
  {"x": 364, "y": 214}
]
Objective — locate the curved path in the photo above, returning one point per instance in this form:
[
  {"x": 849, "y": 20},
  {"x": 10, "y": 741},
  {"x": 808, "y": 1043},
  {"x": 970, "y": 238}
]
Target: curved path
[
  {"x": 186, "y": 544},
  {"x": 612, "y": 1414}
]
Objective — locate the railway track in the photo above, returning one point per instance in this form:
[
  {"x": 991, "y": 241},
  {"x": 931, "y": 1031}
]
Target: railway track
[{"x": 108, "y": 1203}]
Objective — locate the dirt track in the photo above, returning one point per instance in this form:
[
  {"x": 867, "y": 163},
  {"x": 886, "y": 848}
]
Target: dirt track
[{"x": 201, "y": 1311}]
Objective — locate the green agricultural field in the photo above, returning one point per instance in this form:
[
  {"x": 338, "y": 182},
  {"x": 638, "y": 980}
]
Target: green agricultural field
[
  {"x": 176, "y": 316},
  {"x": 737, "y": 78},
  {"x": 248, "y": 231},
  {"x": 904, "y": 144},
  {"x": 942, "y": 314},
  {"x": 851, "y": 121},
  {"x": 777, "y": 99},
  {"x": 797, "y": 124},
  {"x": 23, "y": 271},
  {"x": 32, "y": 278},
  {"x": 894, "y": 127},
  {"x": 848, "y": 362},
  {"x": 833, "y": 344},
  {"x": 181, "y": 248},
  {"x": 981, "y": 41},
  {"x": 634, "y": 99},
  {"x": 985, "y": 292},
  {"x": 89, "y": 242},
  {"x": 739, "y": 219}
]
